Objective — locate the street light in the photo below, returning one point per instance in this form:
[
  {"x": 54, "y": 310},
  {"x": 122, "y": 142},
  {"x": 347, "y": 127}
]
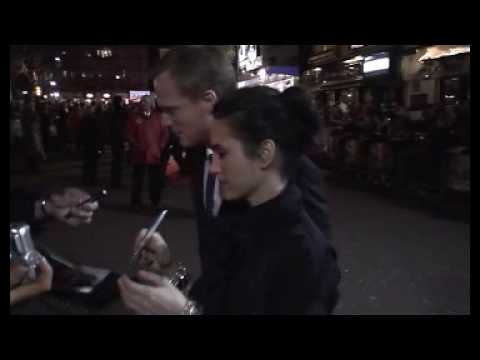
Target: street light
[
  {"x": 53, "y": 83},
  {"x": 89, "y": 96},
  {"x": 57, "y": 59},
  {"x": 106, "y": 96}
]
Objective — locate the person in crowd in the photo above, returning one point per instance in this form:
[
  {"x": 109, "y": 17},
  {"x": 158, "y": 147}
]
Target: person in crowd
[
  {"x": 21, "y": 289},
  {"x": 91, "y": 143},
  {"x": 34, "y": 149},
  {"x": 147, "y": 135},
  {"x": 73, "y": 125},
  {"x": 188, "y": 81},
  {"x": 273, "y": 259},
  {"x": 30, "y": 207},
  {"x": 117, "y": 120}
]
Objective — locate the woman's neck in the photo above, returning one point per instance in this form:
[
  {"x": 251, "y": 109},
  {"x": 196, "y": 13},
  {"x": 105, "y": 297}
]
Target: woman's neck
[{"x": 269, "y": 189}]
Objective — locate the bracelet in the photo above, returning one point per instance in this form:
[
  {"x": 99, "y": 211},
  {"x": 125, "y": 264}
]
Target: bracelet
[
  {"x": 181, "y": 277},
  {"x": 190, "y": 308},
  {"x": 43, "y": 206}
]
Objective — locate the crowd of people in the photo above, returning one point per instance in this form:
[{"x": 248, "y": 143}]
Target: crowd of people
[
  {"x": 396, "y": 147},
  {"x": 262, "y": 219},
  {"x": 134, "y": 134}
]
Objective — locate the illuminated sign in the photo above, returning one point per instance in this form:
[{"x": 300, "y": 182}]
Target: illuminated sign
[
  {"x": 377, "y": 63},
  {"x": 249, "y": 57},
  {"x": 136, "y": 96}
]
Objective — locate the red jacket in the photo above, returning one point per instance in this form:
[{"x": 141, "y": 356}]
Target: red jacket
[{"x": 147, "y": 137}]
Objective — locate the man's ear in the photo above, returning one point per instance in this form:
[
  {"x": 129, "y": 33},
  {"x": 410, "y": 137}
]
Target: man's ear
[
  {"x": 210, "y": 98},
  {"x": 266, "y": 152}
]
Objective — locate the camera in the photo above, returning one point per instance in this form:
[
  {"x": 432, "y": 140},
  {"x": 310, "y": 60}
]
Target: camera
[{"x": 22, "y": 249}]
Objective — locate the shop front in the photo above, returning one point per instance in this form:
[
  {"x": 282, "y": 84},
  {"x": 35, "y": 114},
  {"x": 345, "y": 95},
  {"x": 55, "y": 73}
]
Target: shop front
[
  {"x": 357, "y": 77},
  {"x": 276, "y": 77},
  {"x": 436, "y": 75},
  {"x": 254, "y": 71}
]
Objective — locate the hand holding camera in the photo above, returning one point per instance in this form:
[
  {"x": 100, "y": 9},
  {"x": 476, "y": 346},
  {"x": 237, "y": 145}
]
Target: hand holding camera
[{"x": 22, "y": 288}]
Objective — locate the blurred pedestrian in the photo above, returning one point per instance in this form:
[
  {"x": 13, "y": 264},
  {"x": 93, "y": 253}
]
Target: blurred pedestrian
[
  {"x": 34, "y": 151},
  {"x": 147, "y": 136},
  {"x": 117, "y": 119},
  {"x": 90, "y": 141}
]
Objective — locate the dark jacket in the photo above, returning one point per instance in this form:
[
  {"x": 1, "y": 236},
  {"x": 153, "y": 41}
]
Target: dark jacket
[
  {"x": 210, "y": 241},
  {"x": 309, "y": 181},
  {"x": 307, "y": 178},
  {"x": 272, "y": 260},
  {"x": 117, "y": 122}
]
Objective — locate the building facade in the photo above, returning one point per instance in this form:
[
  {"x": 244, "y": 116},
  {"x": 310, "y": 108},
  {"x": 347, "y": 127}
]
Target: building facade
[{"x": 74, "y": 71}]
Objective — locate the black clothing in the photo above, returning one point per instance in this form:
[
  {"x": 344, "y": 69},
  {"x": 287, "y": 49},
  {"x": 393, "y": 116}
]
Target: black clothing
[
  {"x": 117, "y": 120},
  {"x": 309, "y": 181},
  {"x": 308, "y": 178},
  {"x": 156, "y": 183},
  {"x": 272, "y": 260},
  {"x": 91, "y": 142}
]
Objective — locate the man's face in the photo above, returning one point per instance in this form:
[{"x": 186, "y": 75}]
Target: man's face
[{"x": 190, "y": 119}]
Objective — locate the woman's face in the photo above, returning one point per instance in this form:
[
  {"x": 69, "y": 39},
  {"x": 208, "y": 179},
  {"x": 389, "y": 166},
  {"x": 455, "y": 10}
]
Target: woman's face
[{"x": 239, "y": 175}]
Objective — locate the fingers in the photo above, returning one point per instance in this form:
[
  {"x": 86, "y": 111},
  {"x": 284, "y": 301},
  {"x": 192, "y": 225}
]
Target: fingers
[
  {"x": 18, "y": 273},
  {"x": 93, "y": 206},
  {"x": 135, "y": 296},
  {"x": 59, "y": 201},
  {"x": 156, "y": 243},
  {"x": 152, "y": 278},
  {"x": 75, "y": 195},
  {"x": 156, "y": 249},
  {"x": 139, "y": 238},
  {"x": 46, "y": 275},
  {"x": 45, "y": 267},
  {"x": 68, "y": 202},
  {"x": 81, "y": 214}
]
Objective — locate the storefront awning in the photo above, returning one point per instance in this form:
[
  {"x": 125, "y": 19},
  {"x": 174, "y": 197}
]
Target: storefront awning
[{"x": 439, "y": 51}]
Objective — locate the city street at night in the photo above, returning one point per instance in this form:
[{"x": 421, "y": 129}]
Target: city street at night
[{"x": 299, "y": 179}]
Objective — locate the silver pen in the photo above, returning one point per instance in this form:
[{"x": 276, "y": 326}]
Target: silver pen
[{"x": 143, "y": 242}]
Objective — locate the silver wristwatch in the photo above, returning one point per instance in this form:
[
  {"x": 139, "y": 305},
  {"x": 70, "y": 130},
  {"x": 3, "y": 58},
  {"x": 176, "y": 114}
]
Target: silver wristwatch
[{"x": 191, "y": 308}]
